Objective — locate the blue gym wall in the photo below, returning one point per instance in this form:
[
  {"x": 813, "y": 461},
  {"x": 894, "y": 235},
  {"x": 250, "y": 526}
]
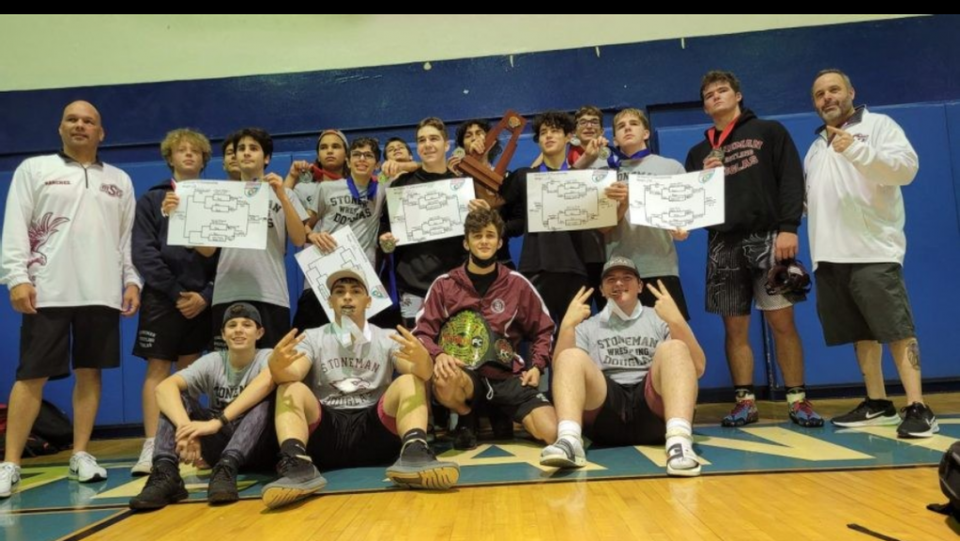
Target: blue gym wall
[{"x": 905, "y": 68}]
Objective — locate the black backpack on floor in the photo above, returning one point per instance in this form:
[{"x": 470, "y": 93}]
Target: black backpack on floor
[
  {"x": 50, "y": 421},
  {"x": 53, "y": 426},
  {"x": 950, "y": 482}
]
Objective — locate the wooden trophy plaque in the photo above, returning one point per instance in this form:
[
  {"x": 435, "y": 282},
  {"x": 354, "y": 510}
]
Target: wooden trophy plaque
[{"x": 487, "y": 181}]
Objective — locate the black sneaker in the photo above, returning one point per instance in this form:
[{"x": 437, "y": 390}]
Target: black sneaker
[
  {"x": 466, "y": 436},
  {"x": 501, "y": 423},
  {"x": 164, "y": 486},
  {"x": 418, "y": 467},
  {"x": 299, "y": 478},
  {"x": 870, "y": 412},
  {"x": 918, "y": 422},
  {"x": 223, "y": 485}
]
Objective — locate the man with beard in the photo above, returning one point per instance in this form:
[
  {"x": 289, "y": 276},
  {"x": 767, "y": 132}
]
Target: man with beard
[{"x": 854, "y": 170}]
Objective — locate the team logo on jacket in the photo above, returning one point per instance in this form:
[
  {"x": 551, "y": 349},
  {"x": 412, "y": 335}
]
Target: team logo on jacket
[
  {"x": 498, "y": 306},
  {"x": 39, "y": 233},
  {"x": 111, "y": 190}
]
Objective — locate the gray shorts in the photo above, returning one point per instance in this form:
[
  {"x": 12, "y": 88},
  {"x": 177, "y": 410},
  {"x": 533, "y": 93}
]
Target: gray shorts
[
  {"x": 737, "y": 266},
  {"x": 863, "y": 301}
]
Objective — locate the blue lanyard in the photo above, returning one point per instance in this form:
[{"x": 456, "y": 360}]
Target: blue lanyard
[
  {"x": 545, "y": 169},
  {"x": 617, "y": 156},
  {"x": 371, "y": 189}
]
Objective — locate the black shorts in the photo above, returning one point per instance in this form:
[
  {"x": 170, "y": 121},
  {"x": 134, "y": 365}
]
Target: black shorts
[
  {"x": 672, "y": 283},
  {"x": 625, "y": 418},
  {"x": 310, "y": 314},
  {"x": 276, "y": 323},
  {"x": 507, "y": 395},
  {"x": 863, "y": 301},
  {"x": 352, "y": 438},
  {"x": 90, "y": 335},
  {"x": 163, "y": 333}
]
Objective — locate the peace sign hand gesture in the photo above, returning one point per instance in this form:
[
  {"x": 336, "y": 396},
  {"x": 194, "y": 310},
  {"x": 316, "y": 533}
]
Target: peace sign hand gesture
[
  {"x": 578, "y": 310},
  {"x": 665, "y": 307},
  {"x": 411, "y": 349},
  {"x": 285, "y": 353}
]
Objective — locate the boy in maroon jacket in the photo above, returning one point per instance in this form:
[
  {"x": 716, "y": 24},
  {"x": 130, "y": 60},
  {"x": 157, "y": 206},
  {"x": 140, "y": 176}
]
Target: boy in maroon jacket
[{"x": 472, "y": 322}]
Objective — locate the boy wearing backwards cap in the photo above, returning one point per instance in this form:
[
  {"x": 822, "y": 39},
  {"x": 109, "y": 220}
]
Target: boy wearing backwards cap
[{"x": 230, "y": 434}]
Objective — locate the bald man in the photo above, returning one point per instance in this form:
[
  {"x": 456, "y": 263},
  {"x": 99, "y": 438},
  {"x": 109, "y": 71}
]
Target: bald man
[{"x": 66, "y": 261}]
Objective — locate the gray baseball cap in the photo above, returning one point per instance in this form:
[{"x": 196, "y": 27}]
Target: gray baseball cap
[
  {"x": 619, "y": 262},
  {"x": 346, "y": 273}
]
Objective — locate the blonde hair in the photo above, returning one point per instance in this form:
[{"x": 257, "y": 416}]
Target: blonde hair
[{"x": 185, "y": 135}]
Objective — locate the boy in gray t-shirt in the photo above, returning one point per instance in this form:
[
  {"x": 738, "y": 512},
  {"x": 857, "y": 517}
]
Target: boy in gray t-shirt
[
  {"x": 629, "y": 374},
  {"x": 339, "y": 406},
  {"x": 231, "y": 432}
]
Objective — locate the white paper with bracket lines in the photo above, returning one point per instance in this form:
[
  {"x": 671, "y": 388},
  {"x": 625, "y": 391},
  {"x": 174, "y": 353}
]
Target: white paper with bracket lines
[
  {"x": 570, "y": 200},
  {"x": 430, "y": 211},
  {"x": 348, "y": 255},
  {"x": 225, "y": 214},
  {"x": 687, "y": 201}
]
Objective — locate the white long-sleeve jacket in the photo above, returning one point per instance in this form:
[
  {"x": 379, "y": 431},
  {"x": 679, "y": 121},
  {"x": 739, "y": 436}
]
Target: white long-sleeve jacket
[
  {"x": 67, "y": 230},
  {"x": 854, "y": 203}
]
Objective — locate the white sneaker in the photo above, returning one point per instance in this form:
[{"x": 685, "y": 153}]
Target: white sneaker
[
  {"x": 682, "y": 460},
  {"x": 566, "y": 452},
  {"x": 84, "y": 468},
  {"x": 9, "y": 476},
  {"x": 145, "y": 462}
]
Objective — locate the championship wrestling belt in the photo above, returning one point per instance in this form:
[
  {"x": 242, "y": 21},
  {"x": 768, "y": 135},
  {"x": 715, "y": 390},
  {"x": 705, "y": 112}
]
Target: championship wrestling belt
[{"x": 468, "y": 337}]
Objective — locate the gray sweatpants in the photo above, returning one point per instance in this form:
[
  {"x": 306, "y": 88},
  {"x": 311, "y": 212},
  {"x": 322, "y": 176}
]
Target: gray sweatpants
[{"x": 250, "y": 438}]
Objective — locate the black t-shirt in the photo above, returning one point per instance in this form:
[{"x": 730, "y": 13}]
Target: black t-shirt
[{"x": 482, "y": 282}]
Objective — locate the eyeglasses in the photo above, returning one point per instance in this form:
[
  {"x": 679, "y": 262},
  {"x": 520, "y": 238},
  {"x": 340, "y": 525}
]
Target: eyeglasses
[
  {"x": 586, "y": 122},
  {"x": 363, "y": 156}
]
